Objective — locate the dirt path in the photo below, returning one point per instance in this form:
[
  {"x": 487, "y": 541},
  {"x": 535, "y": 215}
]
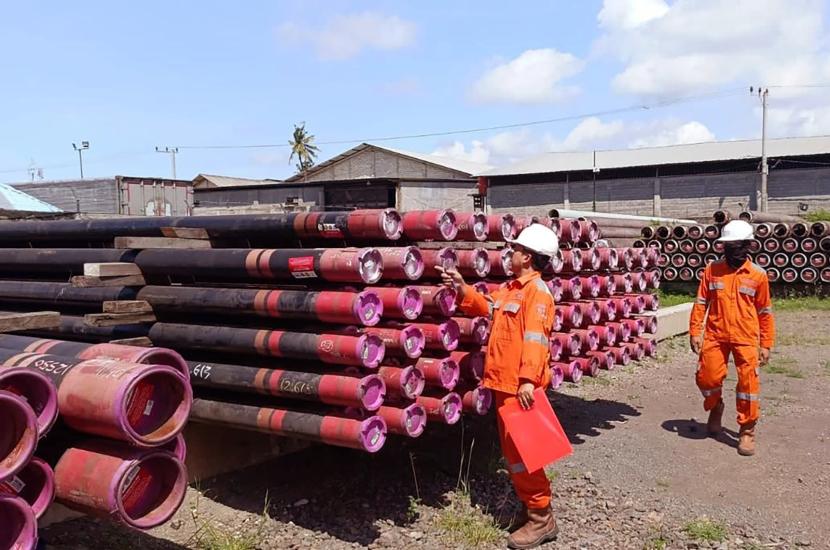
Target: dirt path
[{"x": 642, "y": 476}]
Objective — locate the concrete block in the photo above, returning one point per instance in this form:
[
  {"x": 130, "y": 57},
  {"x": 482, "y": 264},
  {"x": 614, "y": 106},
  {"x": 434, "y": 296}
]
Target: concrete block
[{"x": 673, "y": 321}]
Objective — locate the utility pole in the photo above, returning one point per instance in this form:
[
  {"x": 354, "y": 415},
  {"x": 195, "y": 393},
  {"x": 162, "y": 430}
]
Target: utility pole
[
  {"x": 172, "y": 152},
  {"x": 762, "y": 197},
  {"x": 83, "y": 147},
  {"x": 595, "y": 170}
]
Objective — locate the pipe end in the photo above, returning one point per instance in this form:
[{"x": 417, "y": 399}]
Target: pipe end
[{"x": 373, "y": 434}]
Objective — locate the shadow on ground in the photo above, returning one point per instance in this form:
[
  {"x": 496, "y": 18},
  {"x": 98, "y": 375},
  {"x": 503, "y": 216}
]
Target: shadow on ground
[
  {"x": 345, "y": 493},
  {"x": 89, "y": 533},
  {"x": 692, "y": 429}
]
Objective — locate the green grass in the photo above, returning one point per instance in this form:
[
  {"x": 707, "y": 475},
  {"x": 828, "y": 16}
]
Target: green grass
[
  {"x": 705, "y": 529},
  {"x": 673, "y": 298},
  {"x": 783, "y": 365},
  {"x": 801, "y": 340},
  {"x": 596, "y": 381},
  {"x": 663, "y": 483},
  {"x": 212, "y": 535},
  {"x": 656, "y": 543},
  {"x": 820, "y": 215},
  {"x": 802, "y": 303},
  {"x": 552, "y": 475},
  {"x": 466, "y": 524}
]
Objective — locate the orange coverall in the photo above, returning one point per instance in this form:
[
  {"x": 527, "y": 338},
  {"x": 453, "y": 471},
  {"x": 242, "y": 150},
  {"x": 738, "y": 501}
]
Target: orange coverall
[
  {"x": 740, "y": 318},
  {"x": 517, "y": 352}
]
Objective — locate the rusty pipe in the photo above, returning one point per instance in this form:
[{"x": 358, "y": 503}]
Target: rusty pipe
[
  {"x": 37, "y": 390},
  {"x": 444, "y": 409},
  {"x": 402, "y": 263},
  {"x": 472, "y": 226},
  {"x": 425, "y": 225},
  {"x": 473, "y": 263},
  {"x": 439, "y": 372},
  {"x": 402, "y": 382},
  {"x": 399, "y": 302},
  {"x": 439, "y": 301},
  {"x": 35, "y": 484},
  {"x": 19, "y": 436}
]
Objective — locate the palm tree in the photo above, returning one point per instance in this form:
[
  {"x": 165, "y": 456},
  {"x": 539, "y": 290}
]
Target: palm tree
[{"x": 302, "y": 146}]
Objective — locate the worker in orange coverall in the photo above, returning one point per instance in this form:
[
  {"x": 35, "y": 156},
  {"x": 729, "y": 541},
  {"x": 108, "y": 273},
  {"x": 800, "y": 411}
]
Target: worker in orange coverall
[
  {"x": 517, "y": 363},
  {"x": 735, "y": 292}
]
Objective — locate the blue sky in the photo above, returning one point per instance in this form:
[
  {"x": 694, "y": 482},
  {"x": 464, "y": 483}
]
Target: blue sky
[{"x": 131, "y": 76}]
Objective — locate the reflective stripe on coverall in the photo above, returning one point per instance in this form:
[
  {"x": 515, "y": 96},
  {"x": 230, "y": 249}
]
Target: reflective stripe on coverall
[
  {"x": 739, "y": 319},
  {"x": 517, "y": 352}
]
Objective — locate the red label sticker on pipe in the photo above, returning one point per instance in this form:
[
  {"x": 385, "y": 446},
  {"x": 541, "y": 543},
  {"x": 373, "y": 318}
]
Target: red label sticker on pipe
[{"x": 302, "y": 267}]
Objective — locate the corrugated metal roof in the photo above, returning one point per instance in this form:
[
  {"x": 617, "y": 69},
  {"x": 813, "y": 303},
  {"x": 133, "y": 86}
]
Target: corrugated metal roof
[
  {"x": 467, "y": 168},
  {"x": 228, "y": 181},
  {"x": 672, "y": 154},
  {"x": 14, "y": 199}
]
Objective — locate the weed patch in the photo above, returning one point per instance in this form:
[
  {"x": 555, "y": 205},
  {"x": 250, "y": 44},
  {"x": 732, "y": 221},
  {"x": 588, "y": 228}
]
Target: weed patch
[
  {"x": 705, "y": 529},
  {"x": 466, "y": 524}
]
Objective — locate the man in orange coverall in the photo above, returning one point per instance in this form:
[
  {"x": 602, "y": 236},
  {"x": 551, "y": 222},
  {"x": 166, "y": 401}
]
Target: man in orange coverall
[
  {"x": 735, "y": 292},
  {"x": 517, "y": 362}
]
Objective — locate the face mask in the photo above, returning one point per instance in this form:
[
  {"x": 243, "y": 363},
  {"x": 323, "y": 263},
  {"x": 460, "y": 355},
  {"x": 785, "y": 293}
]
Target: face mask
[{"x": 736, "y": 253}]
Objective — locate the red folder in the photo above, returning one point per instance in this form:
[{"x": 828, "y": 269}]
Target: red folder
[{"x": 536, "y": 433}]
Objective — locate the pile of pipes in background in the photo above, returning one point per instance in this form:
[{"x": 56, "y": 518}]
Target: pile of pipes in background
[
  {"x": 790, "y": 249},
  {"x": 326, "y": 326}
]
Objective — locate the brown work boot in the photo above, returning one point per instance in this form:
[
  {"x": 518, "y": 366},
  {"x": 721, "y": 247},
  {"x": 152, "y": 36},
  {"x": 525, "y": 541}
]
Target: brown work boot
[
  {"x": 746, "y": 441},
  {"x": 713, "y": 425},
  {"x": 540, "y": 528},
  {"x": 513, "y": 521}
]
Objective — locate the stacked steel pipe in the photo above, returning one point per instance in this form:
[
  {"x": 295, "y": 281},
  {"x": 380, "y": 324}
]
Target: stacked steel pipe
[
  {"x": 340, "y": 345},
  {"x": 790, "y": 249}
]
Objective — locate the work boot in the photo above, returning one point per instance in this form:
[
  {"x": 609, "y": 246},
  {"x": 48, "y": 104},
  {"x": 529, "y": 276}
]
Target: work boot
[
  {"x": 713, "y": 425},
  {"x": 746, "y": 441},
  {"x": 540, "y": 528},
  {"x": 514, "y": 521}
]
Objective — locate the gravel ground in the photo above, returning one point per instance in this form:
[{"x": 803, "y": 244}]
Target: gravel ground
[{"x": 643, "y": 474}]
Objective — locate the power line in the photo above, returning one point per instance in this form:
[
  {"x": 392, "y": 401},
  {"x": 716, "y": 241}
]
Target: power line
[{"x": 620, "y": 110}]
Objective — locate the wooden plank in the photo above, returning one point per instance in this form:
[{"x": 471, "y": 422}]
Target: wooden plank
[
  {"x": 114, "y": 319},
  {"x": 161, "y": 242},
  {"x": 127, "y": 306},
  {"x": 141, "y": 341},
  {"x": 83, "y": 281},
  {"x": 185, "y": 232},
  {"x": 11, "y": 322},
  {"x": 111, "y": 269}
]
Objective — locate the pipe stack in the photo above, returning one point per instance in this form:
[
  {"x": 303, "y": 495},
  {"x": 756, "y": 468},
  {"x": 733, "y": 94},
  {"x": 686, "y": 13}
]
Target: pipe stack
[{"x": 792, "y": 250}]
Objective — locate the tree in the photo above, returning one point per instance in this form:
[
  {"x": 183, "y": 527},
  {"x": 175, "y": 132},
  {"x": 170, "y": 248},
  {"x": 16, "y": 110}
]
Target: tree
[{"x": 302, "y": 147}]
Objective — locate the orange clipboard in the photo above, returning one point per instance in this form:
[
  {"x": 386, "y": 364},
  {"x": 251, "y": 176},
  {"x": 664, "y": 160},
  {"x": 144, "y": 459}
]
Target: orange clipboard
[{"x": 536, "y": 433}]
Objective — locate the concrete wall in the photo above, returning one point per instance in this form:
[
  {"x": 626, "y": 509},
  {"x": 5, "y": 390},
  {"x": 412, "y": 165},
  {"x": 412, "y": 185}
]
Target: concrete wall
[
  {"x": 435, "y": 195},
  {"x": 370, "y": 163},
  {"x": 686, "y": 196}
]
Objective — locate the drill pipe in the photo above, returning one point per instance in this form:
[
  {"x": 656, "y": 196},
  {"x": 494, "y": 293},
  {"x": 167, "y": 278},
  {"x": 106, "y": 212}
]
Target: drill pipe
[
  {"x": 438, "y": 300},
  {"x": 588, "y": 338},
  {"x": 622, "y": 356},
  {"x": 364, "y": 350},
  {"x": 570, "y": 369},
  {"x": 555, "y": 286},
  {"x": 35, "y": 484},
  {"x": 424, "y": 225},
  {"x": 569, "y": 344},
  {"x": 327, "y": 306},
  {"x": 474, "y": 330},
  {"x": 368, "y": 435},
  {"x": 367, "y": 392},
  {"x": 399, "y": 302},
  {"x": 557, "y": 376},
  {"x": 444, "y": 409},
  {"x": 37, "y": 390},
  {"x": 406, "y": 340},
  {"x": 343, "y": 265},
  {"x": 635, "y": 350},
  {"x": 649, "y": 346},
  {"x": 476, "y": 400},
  {"x": 605, "y": 359},
  {"x": 591, "y": 311},
  {"x": 82, "y": 350},
  {"x": 443, "y": 335},
  {"x": 817, "y": 259},
  {"x": 473, "y": 263},
  {"x": 824, "y": 244},
  {"x": 825, "y": 275},
  {"x": 606, "y": 334},
  {"x": 820, "y": 229},
  {"x": 622, "y": 331},
  {"x": 62, "y": 294},
  {"x": 443, "y": 257},
  {"x": 402, "y": 382},
  {"x": 472, "y": 226},
  {"x": 572, "y": 315},
  {"x": 501, "y": 227},
  {"x": 19, "y": 524},
  {"x": 808, "y": 245},
  {"x": 773, "y": 274},
  {"x": 408, "y": 420},
  {"x": 762, "y": 217},
  {"x": 501, "y": 264},
  {"x": 76, "y": 328},
  {"x": 471, "y": 364},
  {"x": 141, "y": 488},
  {"x": 571, "y": 288},
  {"x": 63, "y": 261},
  {"x": 638, "y": 302},
  {"x": 439, "y": 372},
  {"x": 354, "y": 225},
  {"x": 588, "y": 365},
  {"x": 402, "y": 263},
  {"x": 146, "y": 405},
  {"x": 798, "y": 259},
  {"x": 19, "y": 436},
  {"x": 808, "y": 275},
  {"x": 609, "y": 309}
]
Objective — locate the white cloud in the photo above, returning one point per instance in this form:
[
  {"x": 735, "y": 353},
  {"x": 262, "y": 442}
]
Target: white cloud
[
  {"x": 535, "y": 76},
  {"x": 477, "y": 152},
  {"x": 345, "y": 36},
  {"x": 670, "y": 133},
  {"x": 693, "y": 45},
  {"x": 628, "y": 14},
  {"x": 589, "y": 132}
]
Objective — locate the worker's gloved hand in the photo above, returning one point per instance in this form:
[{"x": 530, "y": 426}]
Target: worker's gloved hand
[
  {"x": 451, "y": 278},
  {"x": 696, "y": 342},
  {"x": 525, "y": 395},
  {"x": 764, "y": 358}
]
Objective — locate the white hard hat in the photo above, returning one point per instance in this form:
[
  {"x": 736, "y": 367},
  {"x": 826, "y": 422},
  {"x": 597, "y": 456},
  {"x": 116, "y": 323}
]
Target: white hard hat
[
  {"x": 538, "y": 238},
  {"x": 737, "y": 230}
]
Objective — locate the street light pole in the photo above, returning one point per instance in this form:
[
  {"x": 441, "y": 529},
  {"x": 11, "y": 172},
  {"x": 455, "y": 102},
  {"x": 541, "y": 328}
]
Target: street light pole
[
  {"x": 172, "y": 152},
  {"x": 83, "y": 147}
]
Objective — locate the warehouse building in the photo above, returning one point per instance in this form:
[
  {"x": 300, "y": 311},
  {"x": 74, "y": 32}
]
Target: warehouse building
[
  {"x": 683, "y": 181},
  {"x": 366, "y": 176}
]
